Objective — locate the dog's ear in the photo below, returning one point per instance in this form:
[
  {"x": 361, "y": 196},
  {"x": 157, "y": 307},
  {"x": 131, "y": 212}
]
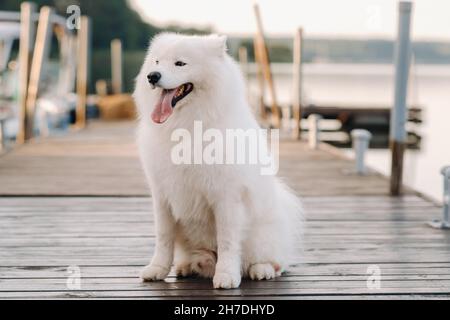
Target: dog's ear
[{"x": 218, "y": 43}]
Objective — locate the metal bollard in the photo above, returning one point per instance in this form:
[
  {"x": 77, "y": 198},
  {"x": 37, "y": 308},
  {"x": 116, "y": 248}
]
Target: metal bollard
[
  {"x": 314, "y": 130},
  {"x": 360, "y": 142},
  {"x": 445, "y": 222}
]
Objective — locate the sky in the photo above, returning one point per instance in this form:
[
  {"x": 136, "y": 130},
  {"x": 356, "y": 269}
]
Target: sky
[{"x": 319, "y": 18}]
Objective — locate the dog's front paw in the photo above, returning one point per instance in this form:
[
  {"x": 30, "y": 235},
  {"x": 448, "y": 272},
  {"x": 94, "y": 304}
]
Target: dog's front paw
[
  {"x": 261, "y": 271},
  {"x": 154, "y": 273},
  {"x": 223, "y": 280}
]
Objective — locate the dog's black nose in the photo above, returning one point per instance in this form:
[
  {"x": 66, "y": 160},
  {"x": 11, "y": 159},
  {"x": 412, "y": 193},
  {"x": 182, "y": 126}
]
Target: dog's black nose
[{"x": 153, "y": 77}]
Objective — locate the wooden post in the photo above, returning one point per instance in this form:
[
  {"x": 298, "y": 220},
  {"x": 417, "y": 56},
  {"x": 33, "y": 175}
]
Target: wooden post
[
  {"x": 265, "y": 62},
  {"x": 297, "y": 84},
  {"x": 82, "y": 70},
  {"x": 27, "y": 30},
  {"x": 398, "y": 114},
  {"x": 260, "y": 78},
  {"x": 116, "y": 65},
  {"x": 40, "y": 55}
]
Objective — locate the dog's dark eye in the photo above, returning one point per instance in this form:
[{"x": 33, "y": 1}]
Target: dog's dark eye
[
  {"x": 157, "y": 61},
  {"x": 180, "y": 63}
]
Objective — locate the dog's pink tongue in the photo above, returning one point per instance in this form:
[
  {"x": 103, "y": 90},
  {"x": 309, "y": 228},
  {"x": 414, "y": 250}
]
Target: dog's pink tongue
[{"x": 163, "y": 108}]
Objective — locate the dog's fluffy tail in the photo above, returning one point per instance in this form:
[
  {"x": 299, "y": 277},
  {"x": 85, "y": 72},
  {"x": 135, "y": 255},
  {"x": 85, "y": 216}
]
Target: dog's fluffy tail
[{"x": 291, "y": 208}]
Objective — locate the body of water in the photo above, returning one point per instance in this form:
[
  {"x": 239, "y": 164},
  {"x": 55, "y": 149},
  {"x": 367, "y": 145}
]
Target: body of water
[{"x": 362, "y": 85}]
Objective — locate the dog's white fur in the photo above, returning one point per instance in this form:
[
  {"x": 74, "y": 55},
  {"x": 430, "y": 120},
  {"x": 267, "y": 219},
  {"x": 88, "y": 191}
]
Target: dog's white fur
[{"x": 218, "y": 221}]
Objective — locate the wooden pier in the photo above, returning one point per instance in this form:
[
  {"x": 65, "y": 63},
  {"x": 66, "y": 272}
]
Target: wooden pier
[{"x": 80, "y": 201}]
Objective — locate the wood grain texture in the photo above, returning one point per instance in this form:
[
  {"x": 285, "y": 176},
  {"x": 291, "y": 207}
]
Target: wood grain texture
[
  {"x": 102, "y": 161},
  {"x": 111, "y": 238},
  {"x": 93, "y": 210}
]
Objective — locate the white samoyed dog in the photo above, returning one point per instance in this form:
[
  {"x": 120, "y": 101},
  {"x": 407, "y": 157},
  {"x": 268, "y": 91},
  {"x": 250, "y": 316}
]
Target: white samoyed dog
[{"x": 217, "y": 221}]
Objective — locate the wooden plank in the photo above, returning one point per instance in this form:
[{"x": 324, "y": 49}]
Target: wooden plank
[
  {"x": 100, "y": 157},
  {"x": 307, "y": 271},
  {"x": 213, "y": 294},
  {"x": 111, "y": 238},
  {"x": 88, "y": 237},
  {"x": 177, "y": 287}
]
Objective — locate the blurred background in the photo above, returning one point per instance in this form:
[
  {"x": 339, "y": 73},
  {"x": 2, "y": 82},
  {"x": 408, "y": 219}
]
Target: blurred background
[{"x": 347, "y": 57}]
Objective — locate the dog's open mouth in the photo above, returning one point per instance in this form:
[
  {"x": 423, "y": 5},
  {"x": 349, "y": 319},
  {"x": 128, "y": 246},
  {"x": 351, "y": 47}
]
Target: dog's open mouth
[{"x": 168, "y": 100}]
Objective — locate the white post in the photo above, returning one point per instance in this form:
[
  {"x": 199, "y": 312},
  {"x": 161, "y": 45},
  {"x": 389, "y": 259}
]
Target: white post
[
  {"x": 314, "y": 130},
  {"x": 360, "y": 141},
  {"x": 398, "y": 115},
  {"x": 445, "y": 222}
]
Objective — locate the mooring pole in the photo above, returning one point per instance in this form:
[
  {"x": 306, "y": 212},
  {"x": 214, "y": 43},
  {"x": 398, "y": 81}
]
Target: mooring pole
[
  {"x": 267, "y": 72},
  {"x": 398, "y": 114},
  {"x": 40, "y": 57}
]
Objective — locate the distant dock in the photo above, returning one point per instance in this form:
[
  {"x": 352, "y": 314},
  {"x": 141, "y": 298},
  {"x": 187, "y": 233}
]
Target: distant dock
[
  {"x": 376, "y": 119},
  {"x": 81, "y": 200}
]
